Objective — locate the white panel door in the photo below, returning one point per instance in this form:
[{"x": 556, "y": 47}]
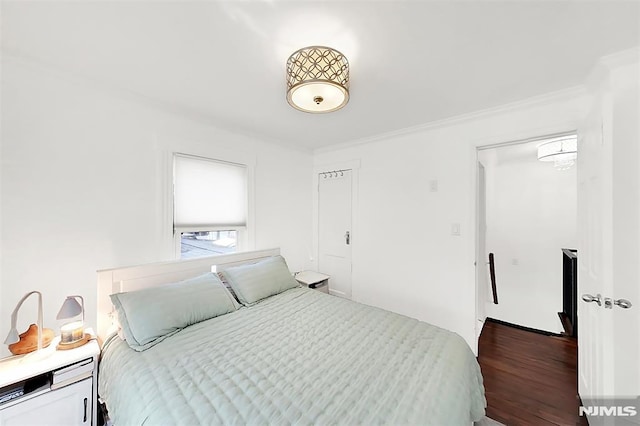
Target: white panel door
[
  {"x": 608, "y": 253},
  {"x": 594, "y": 259},
  {"x": 334, "y": 230}
]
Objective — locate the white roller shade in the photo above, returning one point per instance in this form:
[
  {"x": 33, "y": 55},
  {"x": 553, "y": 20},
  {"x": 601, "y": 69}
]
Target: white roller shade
[{"x": 208, "y": 193}]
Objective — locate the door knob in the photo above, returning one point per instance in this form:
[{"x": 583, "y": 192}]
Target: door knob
[
  {"x": 623, "y": 303},
  {"x": 608, "y": 303},
  {"x": 589, "y": 298}
]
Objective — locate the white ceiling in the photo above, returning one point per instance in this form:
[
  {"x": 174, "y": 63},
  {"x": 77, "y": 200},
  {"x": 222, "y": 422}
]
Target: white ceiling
[{"x": 411, "y": 62}]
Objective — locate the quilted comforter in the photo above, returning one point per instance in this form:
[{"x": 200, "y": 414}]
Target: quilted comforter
[{"x": 300, "y": 357}]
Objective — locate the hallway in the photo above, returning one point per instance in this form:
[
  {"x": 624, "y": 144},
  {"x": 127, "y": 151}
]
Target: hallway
[{"x": 529, "y": 378}]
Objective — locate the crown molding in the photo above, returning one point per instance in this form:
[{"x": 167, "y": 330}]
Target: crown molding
[
  {"x": 535, "y": 101},
  {"x": 607, "y": 64},
  {"x": 623, "y": 58}
]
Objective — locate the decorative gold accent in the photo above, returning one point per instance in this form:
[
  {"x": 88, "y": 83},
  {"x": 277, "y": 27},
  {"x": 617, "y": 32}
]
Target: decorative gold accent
[{"x": 317, "y": 79}]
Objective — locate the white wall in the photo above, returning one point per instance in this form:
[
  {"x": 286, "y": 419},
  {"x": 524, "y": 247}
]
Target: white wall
[
  {"x": 404, "y": 256},
  {"x": 531, "y": 216},
  {"x": 84, "y": 186}
]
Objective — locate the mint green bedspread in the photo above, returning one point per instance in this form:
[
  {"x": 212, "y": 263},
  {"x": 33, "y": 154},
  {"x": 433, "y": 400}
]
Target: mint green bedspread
[{"x": 300, "y": 357}]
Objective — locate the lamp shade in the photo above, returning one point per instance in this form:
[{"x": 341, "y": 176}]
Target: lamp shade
[
  {"x": 12, "y": 337},
  {"x": 317, "y": 79},
  {"x": 70, "y": 308}
]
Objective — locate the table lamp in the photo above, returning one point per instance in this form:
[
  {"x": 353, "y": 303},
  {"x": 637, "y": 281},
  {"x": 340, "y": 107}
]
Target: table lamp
[
  {"x": 26, "y": 342},
  {"x": 72, "y": 333}
]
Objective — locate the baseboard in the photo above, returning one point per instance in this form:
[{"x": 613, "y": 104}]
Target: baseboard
[{"x": 522, "y": 327}]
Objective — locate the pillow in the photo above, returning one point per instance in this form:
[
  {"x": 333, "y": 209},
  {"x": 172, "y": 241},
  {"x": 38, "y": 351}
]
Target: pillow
[
  {"x": 150, "y": 315},
  {"x": 255, "y": 282}
]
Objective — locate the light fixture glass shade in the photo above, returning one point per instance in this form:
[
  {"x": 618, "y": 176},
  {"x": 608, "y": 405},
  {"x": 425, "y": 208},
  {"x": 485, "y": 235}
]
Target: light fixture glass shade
[
  {"x": 563, "y": 148},
  {"x": 563, "y": 151},
  {"x": 317, "y": 79}
]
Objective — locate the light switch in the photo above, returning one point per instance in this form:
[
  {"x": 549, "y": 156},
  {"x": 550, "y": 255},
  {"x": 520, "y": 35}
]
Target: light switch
[
  {"x": 455, "y": 229},
  {"x": 433, "y": 185}
]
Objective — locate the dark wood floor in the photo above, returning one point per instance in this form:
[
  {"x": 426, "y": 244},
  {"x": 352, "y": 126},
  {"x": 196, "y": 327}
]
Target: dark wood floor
[{"x": 529, "y": 378}]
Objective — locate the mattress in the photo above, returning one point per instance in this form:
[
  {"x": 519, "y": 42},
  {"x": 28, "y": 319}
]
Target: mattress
[{"x": 300, "y": 357}]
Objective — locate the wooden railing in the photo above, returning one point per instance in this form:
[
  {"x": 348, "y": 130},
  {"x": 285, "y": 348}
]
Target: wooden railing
[{"x": 492, "y": 271}]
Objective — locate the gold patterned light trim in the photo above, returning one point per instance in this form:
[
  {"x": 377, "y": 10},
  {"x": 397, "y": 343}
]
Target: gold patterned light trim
[{"x": 317, "y": 79}]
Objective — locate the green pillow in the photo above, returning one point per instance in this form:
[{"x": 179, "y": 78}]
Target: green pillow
[
  {"x": 150, "y": 315},
  {"x": 257, "y": 281}
]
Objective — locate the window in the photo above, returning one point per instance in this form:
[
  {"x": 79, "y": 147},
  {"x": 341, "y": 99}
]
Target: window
[{"x": 209, "y": 206}]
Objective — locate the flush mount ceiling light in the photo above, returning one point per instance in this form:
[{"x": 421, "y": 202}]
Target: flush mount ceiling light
[
  {"x": 563, "y": 151},
  {"x": 317, "y": 79}
]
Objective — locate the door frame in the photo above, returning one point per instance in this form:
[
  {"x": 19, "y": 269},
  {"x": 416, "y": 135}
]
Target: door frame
[
  {"x": 481, "y": 307},
  {"x": 540, "y": 134},
  {"x": 354, "y": 166}
]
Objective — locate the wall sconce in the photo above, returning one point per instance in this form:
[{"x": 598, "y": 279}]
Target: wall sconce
[
  {"x": 35, "y": 338},
  {"x": 72, "y": 333},
  {"x": 317, "y": 79}
]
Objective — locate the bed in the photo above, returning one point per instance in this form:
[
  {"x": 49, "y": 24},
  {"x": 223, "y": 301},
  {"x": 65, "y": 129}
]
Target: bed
[{"x": 295, "y": 357}]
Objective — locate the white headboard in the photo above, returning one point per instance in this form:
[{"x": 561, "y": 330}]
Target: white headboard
[{"x": 154, "y": 274}]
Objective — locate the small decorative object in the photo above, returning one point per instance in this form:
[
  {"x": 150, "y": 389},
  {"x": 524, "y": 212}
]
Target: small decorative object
[
  {"x": 29, "y": 340},
  {"x": 35, "y": 338},
  {"x": 317, "y": 79},
  {"x": 72, "y": 333}
]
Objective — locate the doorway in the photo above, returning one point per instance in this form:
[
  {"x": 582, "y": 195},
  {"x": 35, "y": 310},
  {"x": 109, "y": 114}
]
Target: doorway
[
  {"x": 526, "y": 216},
  {"x": 527, "y": 211}
]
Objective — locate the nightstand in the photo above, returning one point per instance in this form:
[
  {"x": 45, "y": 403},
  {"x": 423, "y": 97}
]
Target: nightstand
[
  {"x": 52, "y": 388},
  {"x": 314, "y": 280}
]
